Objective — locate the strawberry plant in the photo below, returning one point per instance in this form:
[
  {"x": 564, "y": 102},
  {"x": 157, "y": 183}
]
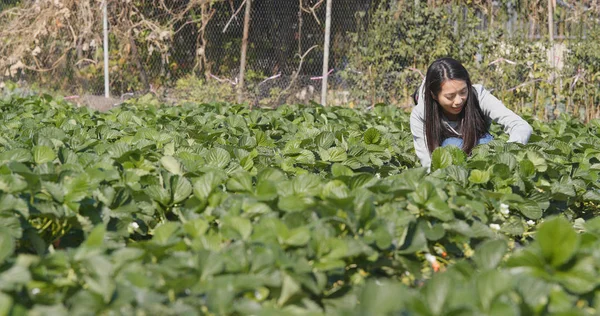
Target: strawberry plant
[{"x": 217, "y": 209}]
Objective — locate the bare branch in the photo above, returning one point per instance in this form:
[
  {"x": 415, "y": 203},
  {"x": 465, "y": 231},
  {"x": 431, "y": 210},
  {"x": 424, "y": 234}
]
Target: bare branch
[
  {"x": 297, "y": 72},
  {"x": 312, "y": 9},
  {"x": 234, "y": 16},
  {"x": 524, "y": 84}
]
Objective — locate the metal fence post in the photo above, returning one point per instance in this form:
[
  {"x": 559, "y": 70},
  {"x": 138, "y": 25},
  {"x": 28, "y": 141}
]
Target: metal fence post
[
  {"x": 105, "y": 27},
  {"x": 240, "y": 87},
  {"x": 326, "y": 54}
]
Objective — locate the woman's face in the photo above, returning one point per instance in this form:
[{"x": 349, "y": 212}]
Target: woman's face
[{"x": 452, "y": 97}]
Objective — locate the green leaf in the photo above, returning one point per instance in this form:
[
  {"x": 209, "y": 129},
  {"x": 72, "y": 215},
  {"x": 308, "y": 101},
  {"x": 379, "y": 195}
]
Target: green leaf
[
  {"x": 247, "y": 142},
  {"x": 372, "y": 136},
  {"x": 529, "y": 257},
  {"x": 593, "y": 225},
  {"x": 437, "y": 292},
  {"x": 339, "y": 170},
  {"x": 211, "y": 264},
  {"x": 257, "y": 208},
  {"x": 423, "y": 192},
  {"x": 325, "y": 140},
  {"x": 171, "y": 164},
  {"x": 383, "y": 238},
  {"x": 240, "y": 225},
  {"x": 309, "y": 184},
  {"x": 529, "y": 209},
  {"x": 6, "y": 303},
  {"x": 563, "y": 190},
  {"x": 9, "y": 222},
  {"x": 440, "y": 159},
  {"x": 336, "y": 189},
  {"x": 362, "y": 180},
  {"x": 459, "y": 157},
  {"x": 158, "y": 194},
  {"x": 526, "y": 168},
  {"x": 306, "y": 157},
  {"x": 49, "y": 310},
  {"x": 12, "y": 183},
  {"x": 7, "y": 245},
  {"x": 561, "y": 302},
  {"x": 271, "y": 174},
  {"x": 507, "y": 159},
  {"x": 17, "y": 155},
  {"x": 266, "y": 191},
  {"x": 534, "y": 291},
  {"x": 77, "y": 188},
  {"x": 206, "y": 184},
  {"x": 489, "y": 254},
  {"x": 582, "y": 278},
  {"x": 503, "y": 308},
  {"x": 538, "y": 161},
  {"x": 247, "y": 163},
  {"x": 292, "y": 147},
  {"x": 479, "y": 176},
  {"x": 435, "y": 232},
  {"x": 414, "y": 241},
  {"x": 96, "y": 237},
  {"x": 513, "y": 226},
  {"x": 458, "y": 174},
  {"x": 383, "y": 297},
  {"x": 43, "y": 154},
  {"x": 181, "y": 188},
  {"x": 218, "y": 157},
  {"x": 56, "y": 190},
  {"x": 501, "y": 171},
  {"x": 490, "y": 284},
  {"x": 336, "y": 154},
  {"x": 439, "y": 209},
  {"x": 165, "y": 234},
  {"x": 240, "y": 182},
  {"x": 196, "y": 227},
  {"x": 558, "y": 241},
  {"x": 298, "y": 237},
  {"x": 592, "y": 196},
  {"x": 326, "y": 264},
  {"x": 294, "y": 203},
  {"x": 288, "y": 289}
]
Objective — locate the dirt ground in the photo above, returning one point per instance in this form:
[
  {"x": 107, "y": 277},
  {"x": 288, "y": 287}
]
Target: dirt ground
[{"x": 96, "y": 102}]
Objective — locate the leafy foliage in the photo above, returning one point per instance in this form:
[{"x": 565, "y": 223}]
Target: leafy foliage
[{"x": 218, "y": 209}]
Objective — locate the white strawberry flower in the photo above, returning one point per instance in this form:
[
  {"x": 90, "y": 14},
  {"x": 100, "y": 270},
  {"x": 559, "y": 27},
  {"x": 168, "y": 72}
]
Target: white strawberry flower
[
  {"x": 495, "y": 227},
  {"x": 435, "y": 265},
  {"x": 504, "y": 209},
  {"x": 133, "y": 227},
  {"x": 430, "y": 258},
  {"x": 530, "y": 223}
]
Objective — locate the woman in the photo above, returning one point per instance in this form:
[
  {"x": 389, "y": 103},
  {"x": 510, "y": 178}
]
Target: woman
[{"x": 452, "y": 111}]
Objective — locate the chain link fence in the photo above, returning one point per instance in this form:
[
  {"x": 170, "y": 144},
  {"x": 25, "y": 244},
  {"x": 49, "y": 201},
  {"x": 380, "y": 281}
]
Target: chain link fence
[
  {"x": 284, "y": 55},
  {"x": 183, "y": 50}
]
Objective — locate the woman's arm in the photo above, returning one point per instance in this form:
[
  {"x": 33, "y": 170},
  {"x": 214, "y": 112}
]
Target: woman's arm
[
  {"x": 517, "y": 128},
  {"x": 417, "y": 128}
]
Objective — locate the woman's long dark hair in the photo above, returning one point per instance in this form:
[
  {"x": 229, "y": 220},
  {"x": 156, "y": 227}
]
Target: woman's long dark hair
[{"x": 473, "y": 125}]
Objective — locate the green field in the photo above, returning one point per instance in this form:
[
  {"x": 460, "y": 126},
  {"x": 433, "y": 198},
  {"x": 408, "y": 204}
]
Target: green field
[{"x": 215, "y": 209}]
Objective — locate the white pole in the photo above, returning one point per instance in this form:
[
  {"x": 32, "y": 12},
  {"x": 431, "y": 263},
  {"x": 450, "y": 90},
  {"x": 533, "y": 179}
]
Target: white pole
[
  {"x": 326, "y": 54},
  {"x": 105, "y": 24},
  {"x": 551, "y": 32},
  {"x": 246, "y": 33}
]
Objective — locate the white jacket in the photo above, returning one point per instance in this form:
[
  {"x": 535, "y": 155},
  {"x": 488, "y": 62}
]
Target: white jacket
[{"x": 493, "y": 110}]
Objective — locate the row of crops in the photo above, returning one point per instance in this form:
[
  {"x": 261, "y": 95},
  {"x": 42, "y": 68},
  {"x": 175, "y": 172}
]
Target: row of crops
[{"x": 214, "y": 209}]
